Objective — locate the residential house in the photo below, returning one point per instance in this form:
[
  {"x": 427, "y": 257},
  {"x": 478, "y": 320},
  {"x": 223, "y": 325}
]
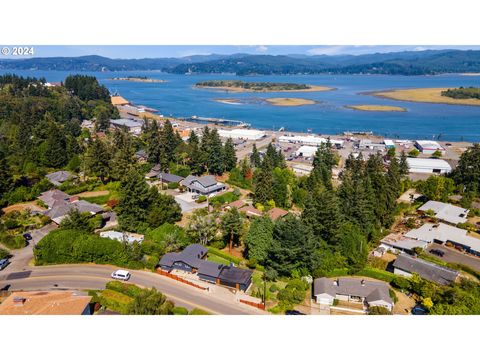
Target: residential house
[
  {"x": 449, "y": 213},
  {"x": 235, "y": 204},
  {"x": 367, "y": 292},
  {"x": 46, "y": 303},
  {"x": 407, "y": 265},
  {"x": 134, "y": 126},
  {"x": 276, "y": 213},
  {"x": 192, "y": 260},
  {"x": 204, "y": 185},
  {"x": 141, "y": 156},
  {"x": 399, "y": 243},
  {"x": 59, "y": 177}
]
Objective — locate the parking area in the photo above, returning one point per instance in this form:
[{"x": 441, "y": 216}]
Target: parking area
[
  {"x": 187, "y": 203},
  {"x": 456, "y": 257}
]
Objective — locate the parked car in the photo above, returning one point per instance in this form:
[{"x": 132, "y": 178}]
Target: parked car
[
  {"x": 4, "y": 263},
  {"x": 27, "y": 236},
  {"x": 419, "y": 310},
  {"x": 293, "y": 312},
  {"x": 195, "y": 196},
  {"x": 121, "y": 275},
  {"x": 437, "y": 252}
]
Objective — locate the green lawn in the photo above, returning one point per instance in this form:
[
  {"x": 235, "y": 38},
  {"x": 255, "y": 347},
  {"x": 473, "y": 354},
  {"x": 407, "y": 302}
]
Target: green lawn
[{"x": 217, "y": 259}]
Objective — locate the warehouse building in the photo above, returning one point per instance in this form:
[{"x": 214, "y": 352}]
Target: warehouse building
[
  {"x": 306, "y": 151},
  {"x": 310, "y": 140},
  {"x": 429, "y": 147},
  {"x": 246, "y": 134},
  {"x": 428, "y": 166}
]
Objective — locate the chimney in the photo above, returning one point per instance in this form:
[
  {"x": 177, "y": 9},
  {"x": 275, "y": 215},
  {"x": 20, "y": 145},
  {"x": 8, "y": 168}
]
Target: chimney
[{"x": 362, "y": 282}]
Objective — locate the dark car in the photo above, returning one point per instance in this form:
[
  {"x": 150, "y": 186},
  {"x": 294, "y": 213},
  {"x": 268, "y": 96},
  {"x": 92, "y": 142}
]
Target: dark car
[
  {"x": 27, "y": 236},
  {"x": 419, "y": 310},
  {"x": 4, "y": 263},
  {"x": 437, "y": 252},
  {"x": 293, "y": 312}
]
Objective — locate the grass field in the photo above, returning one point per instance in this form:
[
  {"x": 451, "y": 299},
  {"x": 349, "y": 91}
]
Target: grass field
[
  {"x": 376, "y": 108},
  {"x": 289, "y": 101},
  {"x": 428, "y": 95}
]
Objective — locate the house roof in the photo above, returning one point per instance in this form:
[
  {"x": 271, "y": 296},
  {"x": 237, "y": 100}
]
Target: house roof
[
  {"x": 210, "y": 268},
  {"x": 126, "y": 122},
  {"x": 235, "y": 275},
  {"x": 119, "y": 100},
  {"x": 276, "y": 213},
  {"x": 192, "y": 255},
  {"x": 207, "y": 182},
  {"x": 44, "y": 303},
  {"x": 370, "y": 290},
  {"x": 58, "y": 177},
  {"x": 236, "y": 204},
  {"x": 450, "y": 213},
  {"x": 51, "y": 196},
  {"x": 250, "y": 210},
  {"x": 169, "y": 177},
  {"x": 427, "y": 270}
]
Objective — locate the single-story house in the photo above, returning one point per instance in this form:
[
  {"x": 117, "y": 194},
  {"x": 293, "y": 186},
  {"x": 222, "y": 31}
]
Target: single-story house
[
  {"x": 188, "y": 260},
  {"x": 250, "y": 211},
  {"x": 192, "y": 260},
  {"x": 428, "y": 166},
  {"x": 203, "y": 185},
  {"x": 141, "y": 156},
  {"x": 446, "y": 234},
  {"x": 276, "y": 213},
  {"x": 399, "y": 243},
  {"x": 428, "y": 147},
  {"x": 407, "y": 265},
  {"x": 50, "y": 197},
  {"x": 446, "y": 212},
  {"x": 235, "y": 204},
  {"x": 122, "y": 236},
  {"x": 370, "y": 293},
  {"x": 169, "y": 178},
  {"x": 46, "y": 303},
  {"x": 153, "y": 172},
  {"x": 59, "y": 177}
]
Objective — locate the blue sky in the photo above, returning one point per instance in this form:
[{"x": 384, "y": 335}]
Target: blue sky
[{"x": 152, "y": 51}]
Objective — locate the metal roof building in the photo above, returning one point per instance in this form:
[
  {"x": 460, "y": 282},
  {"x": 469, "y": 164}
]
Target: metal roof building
[
  {"x": 428, "y": 166},
  {"x": 406, "y": 265},
  {"x": 446, "y": 212}
]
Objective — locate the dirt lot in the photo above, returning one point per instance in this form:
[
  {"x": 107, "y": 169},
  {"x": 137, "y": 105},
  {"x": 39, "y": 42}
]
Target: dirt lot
[
  {"x": 32, "y": 206},
  {"x": 93, "y": 193},
  {"x": 404, "y": 304}
]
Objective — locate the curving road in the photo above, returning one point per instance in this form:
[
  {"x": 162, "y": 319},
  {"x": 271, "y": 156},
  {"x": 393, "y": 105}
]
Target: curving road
[{"x": 20, "y": 275}]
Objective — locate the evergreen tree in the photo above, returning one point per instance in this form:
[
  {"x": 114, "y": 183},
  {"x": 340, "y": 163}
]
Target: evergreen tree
[
  {"x": 55, "y": 154},
  {"x": 6, "y": 180},
  {"x": 229, "y": 155},
  {"x": 467, "y": 172},
  {"x": 215, "y": 154},
  {"x": 150, "y": 302},
  {"x": 232, "y": 223},
  {"x": 102, "y": 115},
  {"x": 163, "y": 209},
  {"x": 353, "y": 246},
  {"x": 169, "y": 140},
  {"x": 403, "y": 165},
  {"x": 263, "y": 184},
  {"x": 124, "y": 154},
  {"x": 259, "y": 239},
  {"x": 97, "y": 159},
  {"x": 255, "y": 157}
]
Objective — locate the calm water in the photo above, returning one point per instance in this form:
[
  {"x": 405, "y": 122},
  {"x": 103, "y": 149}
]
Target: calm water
[{"x": 177, "y": 97}]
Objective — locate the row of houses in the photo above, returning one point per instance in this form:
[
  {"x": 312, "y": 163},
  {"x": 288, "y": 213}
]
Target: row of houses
[{"x": 193, "y": 260}]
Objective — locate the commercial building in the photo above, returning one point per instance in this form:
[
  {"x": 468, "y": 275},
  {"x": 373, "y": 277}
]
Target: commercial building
[
  {"x": 367, "y": 292},
  {"x": 429, "y": 147},
  {"x": 306, "y": 151},
  {"x": 134, "y": 126},
  {"x": 428, "y": 166},
  {"x": 447, "y": 212},
  {"x": 46, "y": 303},
  {"x": 389, "y": 144},
  {"x": 310, "y": 140},
  {"x": 406, "y": 265},
  {"x": 246, "y": 134},
  {"x": 301, "y": 169},
  {"x": 367, "y": 144},
  {"x": 447, "y": 235}
]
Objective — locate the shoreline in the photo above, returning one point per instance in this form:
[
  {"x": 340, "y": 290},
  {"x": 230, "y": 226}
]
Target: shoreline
[{"x": 376, "y": 108}]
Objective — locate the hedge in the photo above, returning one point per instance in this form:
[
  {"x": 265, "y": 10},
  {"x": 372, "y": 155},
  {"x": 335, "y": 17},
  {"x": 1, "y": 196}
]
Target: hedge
[
  {"x": 198, "y": 312},
  {"x": 377, "y": 274},
  {"x": 337, "y": 272},
  {"x": 180, "y": 311},
  {"x": 115, "y": 301},
  {"x": 4, "y": 253},
  {"x": 221, "y": 254},
  {"x": 11, "y": 241},
  {"x": 123, "y": 288}
]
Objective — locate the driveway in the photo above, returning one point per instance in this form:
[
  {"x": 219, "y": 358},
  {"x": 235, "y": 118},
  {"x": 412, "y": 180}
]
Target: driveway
[
  {"x": 456, "y": 257},
  {"x": 187, "y": 204}
]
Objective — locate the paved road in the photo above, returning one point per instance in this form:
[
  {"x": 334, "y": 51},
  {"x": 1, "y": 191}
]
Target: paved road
[
  {"x": 96, "y": 276},
  {"x": 456, "y": 257}
]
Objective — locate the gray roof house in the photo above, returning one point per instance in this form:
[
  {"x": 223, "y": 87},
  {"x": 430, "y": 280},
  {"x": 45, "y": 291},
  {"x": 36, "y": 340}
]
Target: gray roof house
[
  {"x": 204, "y": 185},
  {"x": 51, "y": 196},
  {"x": 59, "y": 177},
  {"x": 407, "y": 265},
  {"x": 370, "y": 293},
  {"x": 446, "y": 212}
]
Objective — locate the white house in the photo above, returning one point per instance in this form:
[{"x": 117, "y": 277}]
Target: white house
[
  {"x": 247, "y": 134},
  {"x": 367, "y": 292},
  {"x": 446, "y": 212},
  {"x": 428, "y": 166},
  {"x": 306, "y": 151},
  {"x": 134, "y": 126}
]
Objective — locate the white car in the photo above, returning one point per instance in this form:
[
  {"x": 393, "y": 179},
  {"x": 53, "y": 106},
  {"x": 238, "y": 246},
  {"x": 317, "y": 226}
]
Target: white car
[{"x": 121, "y": 275}]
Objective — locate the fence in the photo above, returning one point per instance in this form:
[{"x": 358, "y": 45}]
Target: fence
[
  {"x": 178, "y": 278},
  {"x": 251, "y": 303}
]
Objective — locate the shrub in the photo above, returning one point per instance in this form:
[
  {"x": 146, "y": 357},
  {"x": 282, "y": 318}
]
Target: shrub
[
  {"x": 294, "y": 292},
  {"x": 252, "y": 263},
  {"x": 4, "y": 253},
  {"x": 172, "y": 185},
  {"x": 378, "y": 310},
  {"x": 115, "y": 301},
  {"x": 123, "y": 288},
  {"x": 198, "y": 312},
  {"x": 112, "y": 203},
  {"x": 11, "y": 223},
  {"x": 12, "y": 242},
  {"x": 400, "y": 283},
  {"x": 414, "y": 153},
  {"x": 201, "y": 199},
  {"x": 178, "y": 310},
  {"x": 393, "y": 295},
  {"x": 273, "y": 288},
  {"x": 377, "y": 274}
]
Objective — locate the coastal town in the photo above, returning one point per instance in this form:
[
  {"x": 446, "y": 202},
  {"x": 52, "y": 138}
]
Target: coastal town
[{"x": 211, "y": 216}]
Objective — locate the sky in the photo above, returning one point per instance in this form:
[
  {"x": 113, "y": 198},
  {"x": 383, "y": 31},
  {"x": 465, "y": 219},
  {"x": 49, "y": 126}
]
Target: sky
[{"x": 156, "y": 51}]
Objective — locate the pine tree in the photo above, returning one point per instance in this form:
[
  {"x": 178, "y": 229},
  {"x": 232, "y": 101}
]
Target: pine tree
[
  {"x": 55, "y": 146},
  {"x": 353, "y": 246},
  {"x": 255, "y": 157},
  {"x": 229, "y": 155},
  {"x": 97, "y": 159},
  {"x": 263, "y": 184},
  {"x": 6, "y": 180},
  {"x": 232, "y": 223},
  {"x": 259, "y": 239},
  {"x": 169, "y": 140},
  {"x": 403, "y": 165},
  {"x": 215, "y": 154}
]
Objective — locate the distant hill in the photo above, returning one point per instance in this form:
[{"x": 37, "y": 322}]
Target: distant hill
[{"x": 395, "y": 63}]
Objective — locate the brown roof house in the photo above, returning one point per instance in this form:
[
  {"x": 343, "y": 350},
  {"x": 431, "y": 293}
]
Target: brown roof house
[{"x": 46, "y": 303}]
